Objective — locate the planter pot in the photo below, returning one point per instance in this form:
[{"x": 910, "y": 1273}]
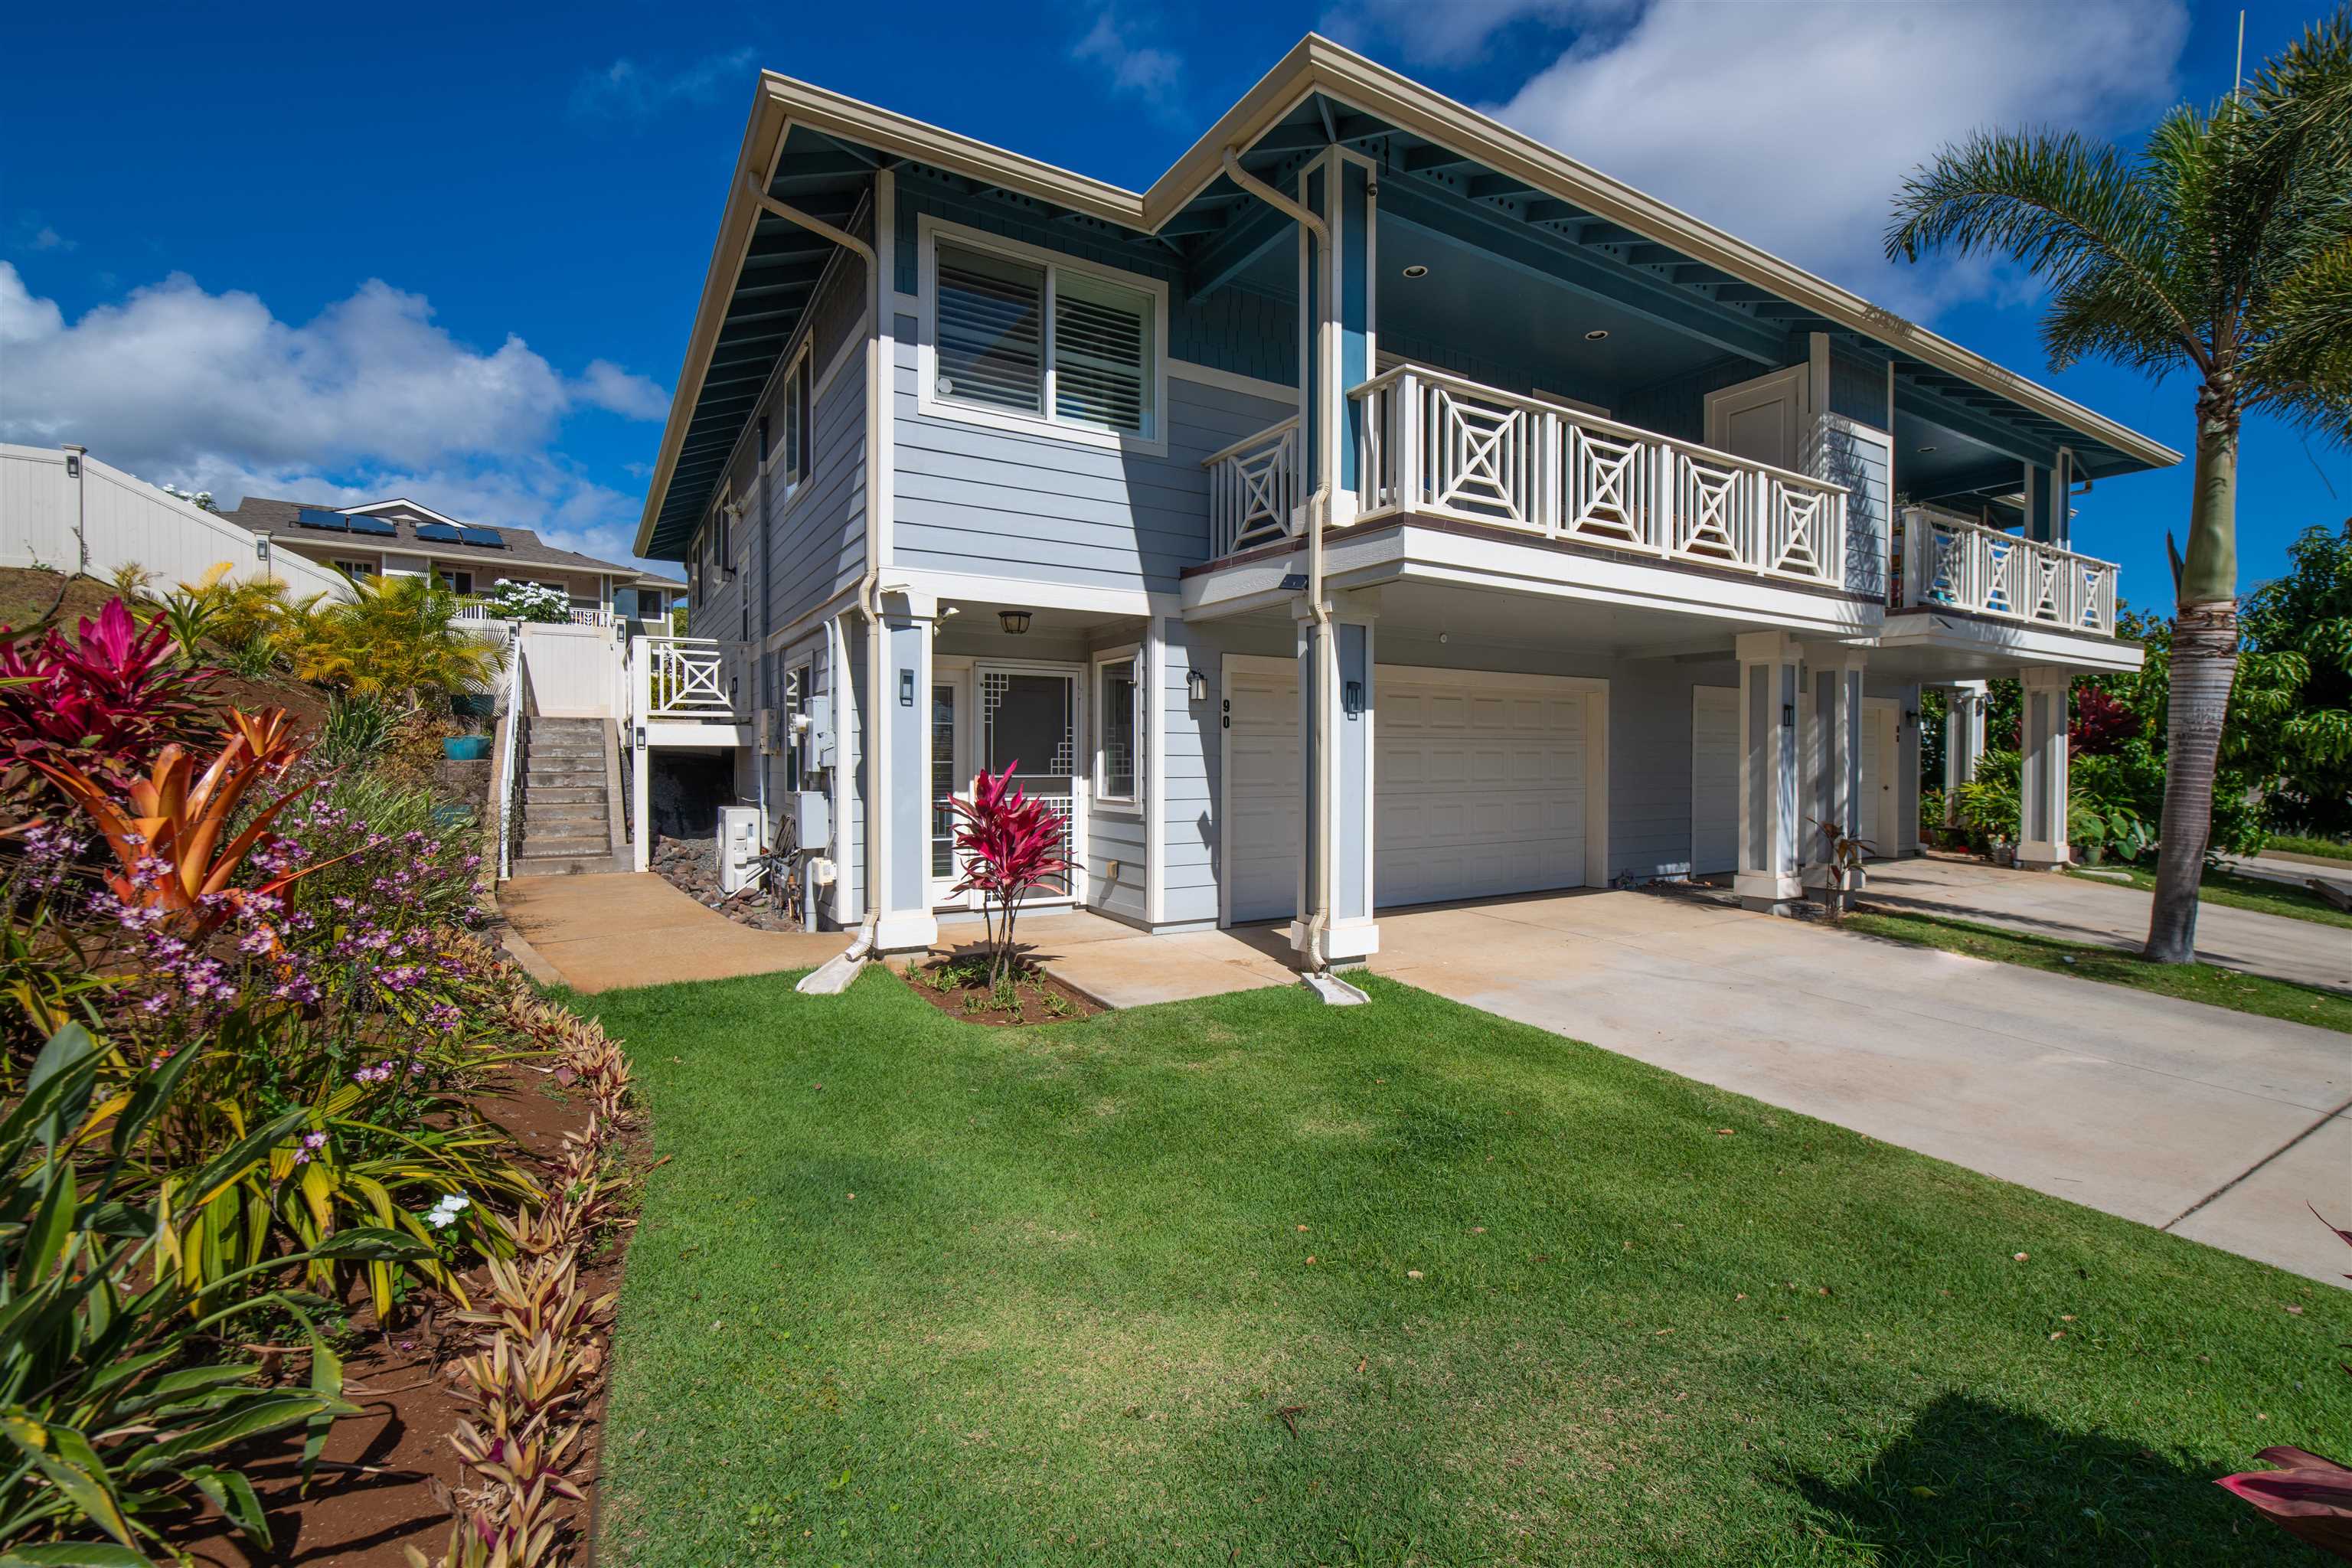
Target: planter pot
[{"x": 465, "y": 748}]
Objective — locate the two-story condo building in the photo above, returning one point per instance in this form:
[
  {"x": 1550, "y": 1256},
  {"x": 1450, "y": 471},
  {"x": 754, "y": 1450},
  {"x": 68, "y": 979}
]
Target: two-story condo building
[{"x": 1382, "y": 508}]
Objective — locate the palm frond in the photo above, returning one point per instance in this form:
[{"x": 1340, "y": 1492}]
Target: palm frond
[{"x": 2076, "y": 214}]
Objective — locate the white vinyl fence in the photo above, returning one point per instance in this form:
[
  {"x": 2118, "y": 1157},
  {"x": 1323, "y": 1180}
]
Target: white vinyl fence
[{"x": 101, "y": 518}]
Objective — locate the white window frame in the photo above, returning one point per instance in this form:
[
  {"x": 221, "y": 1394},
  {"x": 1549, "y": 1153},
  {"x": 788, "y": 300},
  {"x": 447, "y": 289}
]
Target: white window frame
[
  {"x": 790, "y": 475},
  {"x": 931, "y": 231},
  {"x": 1131, "y": 804},
  {"x": 349, "y": 568}
]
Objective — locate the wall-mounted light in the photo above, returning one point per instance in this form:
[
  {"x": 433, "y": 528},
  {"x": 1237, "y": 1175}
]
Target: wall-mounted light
[
  {"x": 261, "y": 548},
  {"x": 1597, "y": 335},
  {"x": 1416, "y": 270},
  {"x": 906, "y": 689},
  {"x": 1353, "y": 699},
  {"x": 1788, "y": 715},
  {"x": 1016, "y": 622},
  {"x": 1927, "y": 448},
  {"x": 1196, "y": 686}
]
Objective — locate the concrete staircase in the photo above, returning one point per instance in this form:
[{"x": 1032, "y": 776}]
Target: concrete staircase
[{"x": 567, "y": 805}]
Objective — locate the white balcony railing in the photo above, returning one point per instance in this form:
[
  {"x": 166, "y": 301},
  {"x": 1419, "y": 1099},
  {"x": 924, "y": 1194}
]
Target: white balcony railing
[
  {"x": 481, "y": 610},
  {"x": 679, "y": 677},
  {"x": 1963, "y": 566},
  {"x": 1433, "y": 444},
  {"x": 1254, "y": 489}
]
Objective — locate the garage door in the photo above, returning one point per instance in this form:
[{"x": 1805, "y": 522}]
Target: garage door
[
  {"x": 1264, "y": 792},
  {"x": 1480, "y": 782},
  {"x": 1715, "y": 779}
]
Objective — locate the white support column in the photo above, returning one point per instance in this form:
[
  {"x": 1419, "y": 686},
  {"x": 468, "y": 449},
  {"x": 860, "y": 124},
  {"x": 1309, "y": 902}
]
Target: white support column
[
  {"x": 1769, "y": 666},
  {"x": 1964, "y": 742},
  {"x": 1834, "y": 679},
  {"x": 902, "y": 811},
  {"x": 2042, "y": 785}
]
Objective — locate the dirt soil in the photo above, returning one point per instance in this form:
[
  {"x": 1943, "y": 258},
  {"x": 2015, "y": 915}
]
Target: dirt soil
[
  {"x": 1037, "y": 997},
  {"x": 691, "y": 866},
  {"x": 384, "y": 1480}
]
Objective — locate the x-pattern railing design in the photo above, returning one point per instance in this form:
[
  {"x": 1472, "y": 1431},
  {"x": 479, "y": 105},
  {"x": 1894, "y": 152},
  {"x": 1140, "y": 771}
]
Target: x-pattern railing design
[{"x": 1955, "y": 564}]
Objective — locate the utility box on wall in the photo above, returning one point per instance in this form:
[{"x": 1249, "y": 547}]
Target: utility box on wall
[
  {"x": 739, "y": 845},
  {"x": 813, "y": 819}
]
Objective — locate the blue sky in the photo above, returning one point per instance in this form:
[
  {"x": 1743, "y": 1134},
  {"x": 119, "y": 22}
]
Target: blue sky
[{"x": 452, "y": 252}]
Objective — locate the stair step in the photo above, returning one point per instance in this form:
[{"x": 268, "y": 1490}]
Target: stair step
[
  {"x": 564, "y": 818},
  {"x": 566, "y": 844},
  {"x": 602, "y": 864},
  {"x": 583, "y": 755},
  {"x": 565, "y": 778},
  {"x": 562, "y": 794}
]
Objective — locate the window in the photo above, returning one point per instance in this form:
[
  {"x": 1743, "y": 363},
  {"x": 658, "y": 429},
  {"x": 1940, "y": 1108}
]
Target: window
[
  {"x": 1117, "y": 696},
  {"x": 458, "y": 582},
  {"x": 356, "y": 568},
  {"x": 794, "y": 454},
  {"x": 1022, "y": 336}
]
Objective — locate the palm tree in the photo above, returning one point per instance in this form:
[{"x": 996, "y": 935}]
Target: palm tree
[
  {"x": 2224, "y": 250},
  {"x": 399, "y": 639}
]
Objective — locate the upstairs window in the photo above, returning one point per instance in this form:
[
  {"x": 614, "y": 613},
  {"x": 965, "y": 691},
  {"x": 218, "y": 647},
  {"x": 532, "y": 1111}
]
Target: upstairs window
[
  {"x": 1029, "y": 337},
  {"x": 793, "y": 456}
]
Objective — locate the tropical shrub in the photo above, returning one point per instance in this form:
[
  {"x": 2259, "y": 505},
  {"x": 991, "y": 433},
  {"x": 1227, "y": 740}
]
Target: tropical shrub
[
  {"x": 529, "y": 602},
  {"x": 236, "y": 612},
  {"x": 2308, "y": 611},
  {"x": 116, "y": 1403},
  {"x": 356, "y": 729},
  {"x": 1009, "y": 845},
  {"x": 399, "y": 640},
  {"x": 106, "y": 700}
]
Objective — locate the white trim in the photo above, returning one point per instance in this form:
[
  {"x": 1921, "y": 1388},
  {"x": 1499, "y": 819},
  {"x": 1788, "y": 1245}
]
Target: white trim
[
  {"x": 1130, "y": 654},
  {"x": 1232, "y": 381},
  {"x": 792, "y": 478},
  {"x": 931, "y": 230},
  {"x": 375, "y": 506},
  {"x": 841, "y": 358},
  {"x": 1155, "y": 815},
  {"x": 965, "y": 588},
  {"x": 905, "y": 304}
]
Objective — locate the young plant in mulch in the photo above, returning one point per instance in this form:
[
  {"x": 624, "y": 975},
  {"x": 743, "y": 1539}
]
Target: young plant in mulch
[{"x": 1009, "y": 846}]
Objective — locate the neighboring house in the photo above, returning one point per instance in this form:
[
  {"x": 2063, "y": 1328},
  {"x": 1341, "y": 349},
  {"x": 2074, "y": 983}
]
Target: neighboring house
[
  {"x": 1638, "y": 543},
  {"x": 400, "y": 537}
]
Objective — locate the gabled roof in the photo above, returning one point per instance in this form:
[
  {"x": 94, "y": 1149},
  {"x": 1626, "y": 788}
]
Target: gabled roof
[
  {"x": 762, "y": 268},
  {"x": 521, "y": 546}
]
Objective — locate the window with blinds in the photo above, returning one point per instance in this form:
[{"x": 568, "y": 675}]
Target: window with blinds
[
  {"x": 1044, "y": 341},
  {"x": 991, "y": 329},
  {"x": 796, "y": 421}
]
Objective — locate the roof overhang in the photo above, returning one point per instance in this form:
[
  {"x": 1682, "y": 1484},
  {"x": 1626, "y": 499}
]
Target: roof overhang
[{"x": 1314, "y": 66}]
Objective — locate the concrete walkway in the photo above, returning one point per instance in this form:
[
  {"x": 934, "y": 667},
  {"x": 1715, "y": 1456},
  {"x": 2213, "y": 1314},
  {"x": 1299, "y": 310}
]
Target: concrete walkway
[
  {"x": 607, "y": 933},
  {"x": 2080, "y": 909},
  {"x": 1120, "y": 966},
  {"x": 2211, "y": 1123}
]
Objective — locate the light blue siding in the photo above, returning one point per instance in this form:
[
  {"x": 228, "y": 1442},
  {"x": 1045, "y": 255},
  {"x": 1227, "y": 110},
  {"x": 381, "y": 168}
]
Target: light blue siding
[
  {"x": 817, "y": 530},
  {"x": 985, "y": 502}
]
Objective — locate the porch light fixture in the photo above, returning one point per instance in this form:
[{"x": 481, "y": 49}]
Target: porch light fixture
[
  {"x": 1598, "y": 334},
  {"x": 1927, "y": 448},
  {"x": 1016, "y": 622},
  {"x": 1416, "y": 270},
  {"x": 1196, "y": 686}
]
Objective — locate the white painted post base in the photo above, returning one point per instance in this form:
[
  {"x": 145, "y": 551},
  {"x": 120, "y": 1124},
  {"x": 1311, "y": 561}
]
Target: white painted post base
[
  {"x": 2041, "y": 783},
  {"x": 1768, "y": 876}
]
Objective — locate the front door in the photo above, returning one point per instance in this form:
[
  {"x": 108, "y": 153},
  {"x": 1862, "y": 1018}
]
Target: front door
[
  {"x": 950, "y": 774},
  {"x": 1030, "y": 717},
  {"x": 1876, "y": 808}
]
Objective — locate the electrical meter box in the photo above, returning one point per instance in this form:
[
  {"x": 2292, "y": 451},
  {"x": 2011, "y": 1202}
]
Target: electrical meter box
[{"x": 813, "y": 817}]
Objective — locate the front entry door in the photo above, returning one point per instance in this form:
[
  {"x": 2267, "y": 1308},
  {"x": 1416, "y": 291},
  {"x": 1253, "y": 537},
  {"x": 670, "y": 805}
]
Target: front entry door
[
  {"x": 950, "y": 774},
  {"x": 1030, "y": 717}
]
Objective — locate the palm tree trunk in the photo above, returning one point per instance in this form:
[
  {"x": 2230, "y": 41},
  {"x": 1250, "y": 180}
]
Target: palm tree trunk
[{"x": 2204, "y": 663}]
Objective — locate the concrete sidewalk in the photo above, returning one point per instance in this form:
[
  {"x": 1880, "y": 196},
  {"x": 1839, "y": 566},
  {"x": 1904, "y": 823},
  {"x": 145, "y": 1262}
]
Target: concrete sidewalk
[
  {"x": 2081, "y": 909},
  {"x": 2189, "y": 1118},
  {"x": 608, "y": 933}
]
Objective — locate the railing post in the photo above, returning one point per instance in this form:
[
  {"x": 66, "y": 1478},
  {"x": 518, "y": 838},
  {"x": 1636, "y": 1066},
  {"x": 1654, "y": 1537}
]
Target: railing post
[
  {"x": 1664, "y": 477},
  {"x": 1549, "y": 511},
  {"x": 1408, "y": 441}
]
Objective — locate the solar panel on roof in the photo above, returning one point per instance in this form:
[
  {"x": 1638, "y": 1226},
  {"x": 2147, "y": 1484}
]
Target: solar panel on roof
[
  {"x": 361, "y": 523},
  {"x": 485, "y": 538},
  {"x": 438, "y": 533},
  {"x": 318, "y": 517}
]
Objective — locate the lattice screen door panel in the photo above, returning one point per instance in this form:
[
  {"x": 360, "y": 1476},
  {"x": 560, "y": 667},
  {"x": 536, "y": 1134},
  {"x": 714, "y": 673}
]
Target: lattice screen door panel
[{"x": 1032, "y": 718}]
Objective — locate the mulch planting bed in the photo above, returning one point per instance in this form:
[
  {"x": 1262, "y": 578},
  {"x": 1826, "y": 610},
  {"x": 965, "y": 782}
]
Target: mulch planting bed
[
  {"x": 384, "y": 1479},
  {"x": 958, "y": 987}
]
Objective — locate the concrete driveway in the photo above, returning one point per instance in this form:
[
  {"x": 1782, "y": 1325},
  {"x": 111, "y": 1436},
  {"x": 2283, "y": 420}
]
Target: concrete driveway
[
  {"x": 2081, "y": 909},
  {"x": 2192, "y": 1119}
]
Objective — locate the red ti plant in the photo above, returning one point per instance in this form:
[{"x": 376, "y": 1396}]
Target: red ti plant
[
  {"x": 168, "y": 835},
  {"x": 107, "y": 700},
  {"x": 2308, "y": 1496},
  {"x": 1010, "y": 845}
]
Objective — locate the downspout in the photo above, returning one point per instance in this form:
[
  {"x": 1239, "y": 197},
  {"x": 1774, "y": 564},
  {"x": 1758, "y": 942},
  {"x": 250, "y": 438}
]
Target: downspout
[
  {"x": 837, "y": 973},
  {"x": 1320, "y": 612}
]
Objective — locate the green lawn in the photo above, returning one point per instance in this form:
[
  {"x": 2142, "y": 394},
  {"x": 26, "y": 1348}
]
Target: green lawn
[
  {"x": 2327, "y": 849},
  {"x": 2256, "y": 994},
  {"x": 2245, "y": 893},
  {"x": 914, "y": 1291}
]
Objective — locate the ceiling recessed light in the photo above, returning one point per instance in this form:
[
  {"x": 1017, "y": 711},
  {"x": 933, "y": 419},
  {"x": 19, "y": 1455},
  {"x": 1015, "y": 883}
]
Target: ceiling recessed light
[
  {"x": 1416, "y": 270},
  {"x": 1596, "y": 334},
  {"x": 1926, "y": 448}
]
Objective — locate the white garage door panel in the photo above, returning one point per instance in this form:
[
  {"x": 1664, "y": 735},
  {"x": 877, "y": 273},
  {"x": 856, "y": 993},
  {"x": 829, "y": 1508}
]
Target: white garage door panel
[
  {"x": 1480, "y": 792},
  {"x": 1715, "y": 779}
]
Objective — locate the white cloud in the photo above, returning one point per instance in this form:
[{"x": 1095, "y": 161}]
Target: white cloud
[
  {"x": 1454, "y": 32},
  {"x": 368, "y": 399},
  {"x": 630, "y": 90},
  {"x": 1146, "y": 70},
  {"x": 1791, "y": 125}
]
